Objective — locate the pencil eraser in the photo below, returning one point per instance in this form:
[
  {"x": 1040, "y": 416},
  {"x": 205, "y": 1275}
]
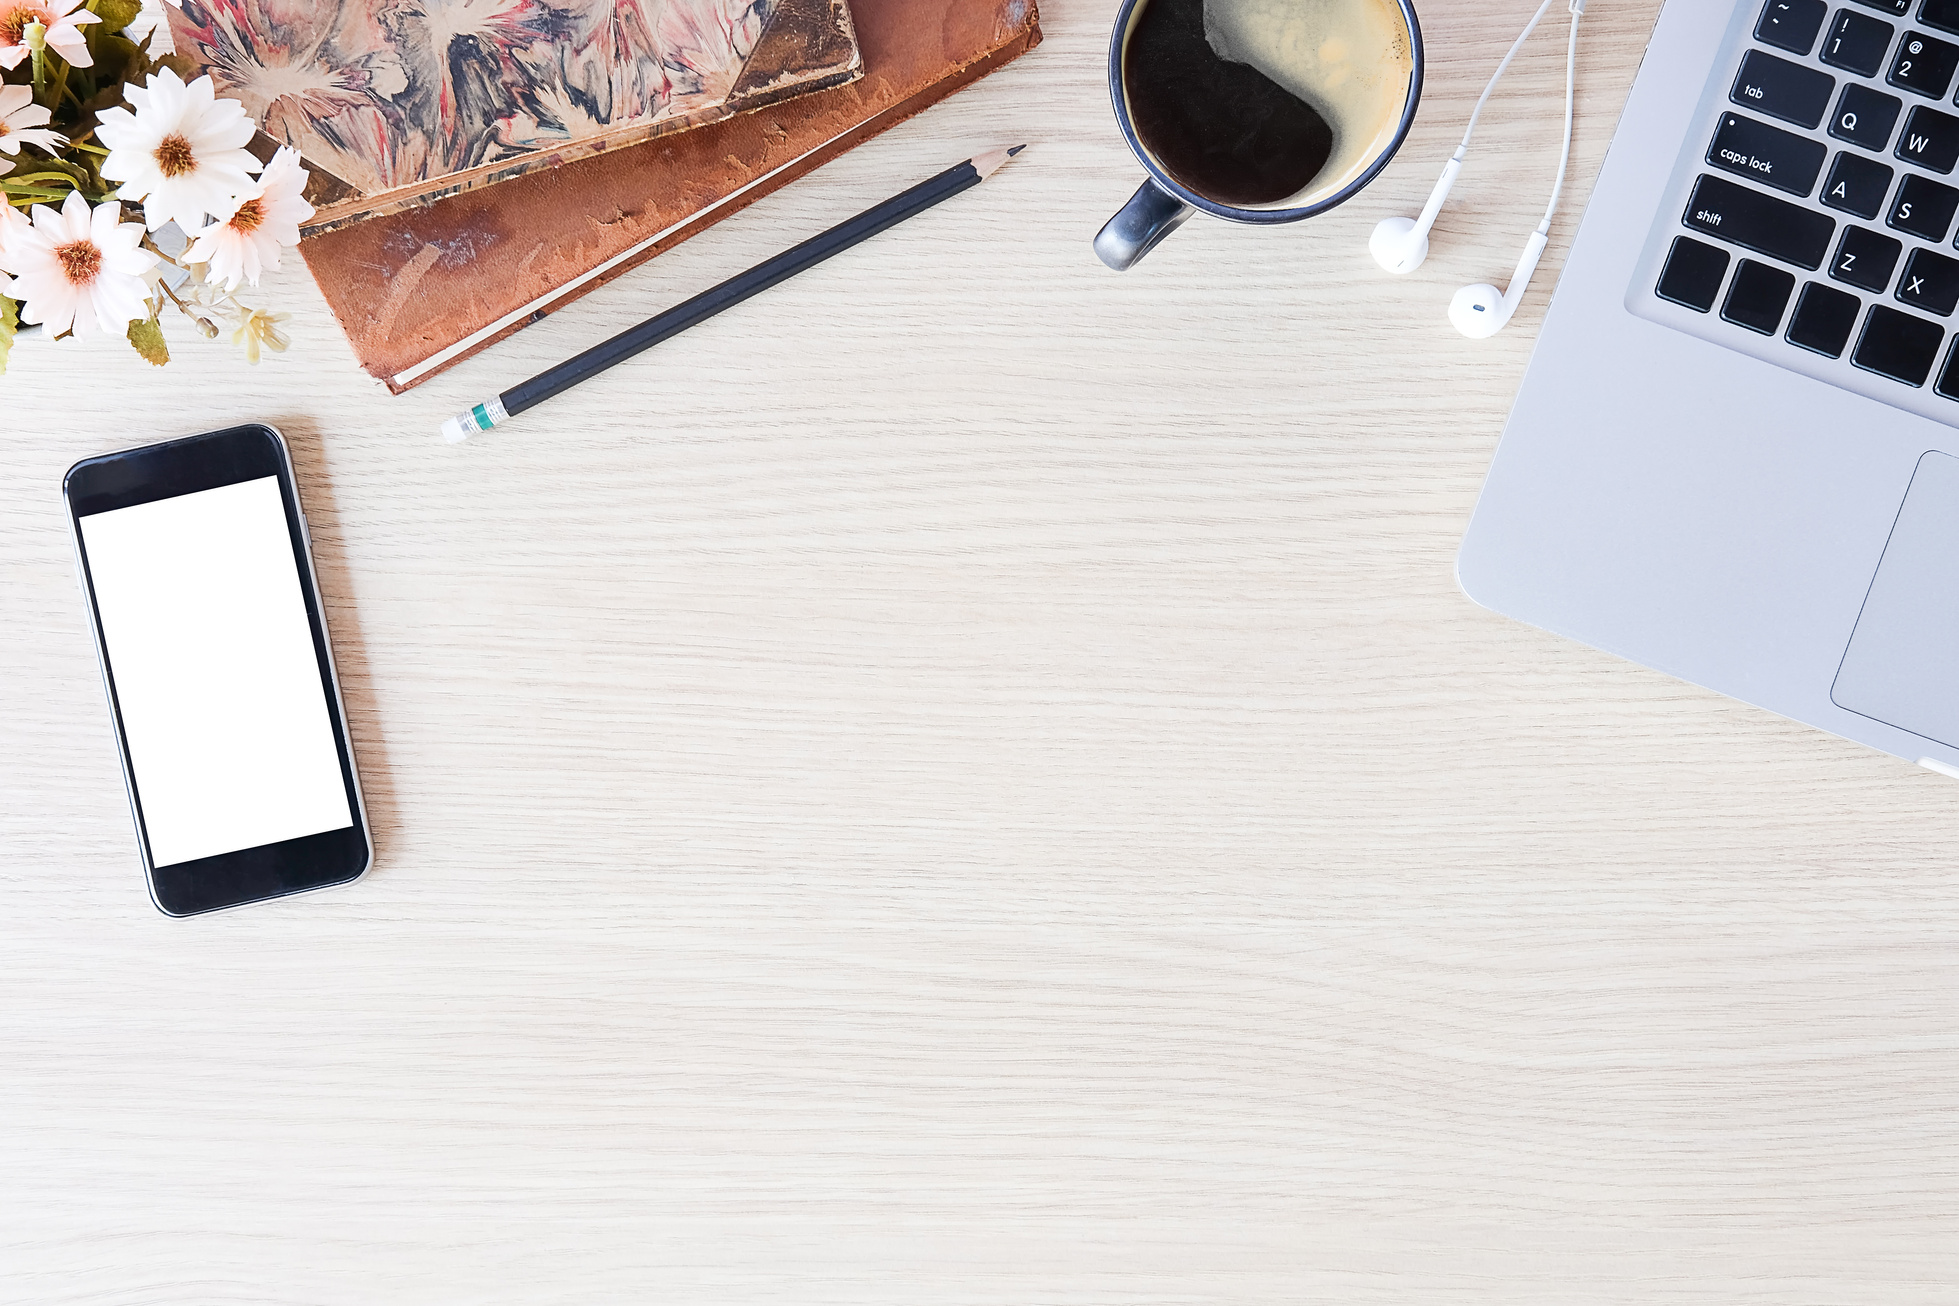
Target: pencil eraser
[{"x": 454, "y": 431}]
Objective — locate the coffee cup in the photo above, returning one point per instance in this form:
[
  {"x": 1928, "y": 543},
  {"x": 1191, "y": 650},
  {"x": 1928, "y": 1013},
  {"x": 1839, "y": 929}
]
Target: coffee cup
[{"x": 1258, "y": 111}]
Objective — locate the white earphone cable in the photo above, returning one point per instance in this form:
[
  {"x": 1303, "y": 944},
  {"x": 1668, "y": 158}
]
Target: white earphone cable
[
  {"x": 1570, "y": 95},
  {"x": 1502, "y": 68}
]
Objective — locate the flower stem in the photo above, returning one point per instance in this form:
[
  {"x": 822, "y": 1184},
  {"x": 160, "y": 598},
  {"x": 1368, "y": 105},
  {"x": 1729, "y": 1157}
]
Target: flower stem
[
  {"x": 60, "y": 87},
  {"x": 34, "y": 36},
  {"x": 204, "y": 324}
]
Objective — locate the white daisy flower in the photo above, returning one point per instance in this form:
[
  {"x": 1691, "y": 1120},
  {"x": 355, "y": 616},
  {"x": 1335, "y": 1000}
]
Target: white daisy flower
[
  {"x": 182, "y": 153},
  {"x": 80, "y": 269},
  {"x": 244, "y": 243},
  {"x": 64, "y": 34},
  {"x": 23, "y": 122}
]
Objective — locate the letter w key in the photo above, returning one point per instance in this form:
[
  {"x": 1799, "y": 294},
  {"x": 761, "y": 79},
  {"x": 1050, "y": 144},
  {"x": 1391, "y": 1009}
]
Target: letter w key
[{"x": 1930, "y": 140}]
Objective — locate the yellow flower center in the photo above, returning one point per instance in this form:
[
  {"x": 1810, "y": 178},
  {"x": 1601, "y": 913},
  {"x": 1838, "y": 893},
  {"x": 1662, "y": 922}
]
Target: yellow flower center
[
  {"x": 80, "y": 261},
  {"x": 250, "y": 216},
  {"x": 14, "y": 23},
  {"x": 4, "y": 128},
  {"x": 174, "y": 156}
]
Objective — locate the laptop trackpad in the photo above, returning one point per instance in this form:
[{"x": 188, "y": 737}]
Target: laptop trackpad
[{"x": 1902, "y": 666}]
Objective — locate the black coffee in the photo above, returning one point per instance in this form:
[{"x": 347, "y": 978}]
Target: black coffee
[
  {"x": 1225, "y": 130},
  {"x": 1247, "y": 102}
]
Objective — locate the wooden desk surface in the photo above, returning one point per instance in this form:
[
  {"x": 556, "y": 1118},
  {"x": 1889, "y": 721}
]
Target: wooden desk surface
[{"x": 986, "y": 793}]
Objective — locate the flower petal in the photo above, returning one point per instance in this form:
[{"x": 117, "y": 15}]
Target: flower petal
[
  {"x": 68, "y": 42},
  {"x": 50, "y": 304}
]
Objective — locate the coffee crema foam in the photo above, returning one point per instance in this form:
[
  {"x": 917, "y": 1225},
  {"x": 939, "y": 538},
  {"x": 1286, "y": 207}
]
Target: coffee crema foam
[{"x": 1349, "y": 59}]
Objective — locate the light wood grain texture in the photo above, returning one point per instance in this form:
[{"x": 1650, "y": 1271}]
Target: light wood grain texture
[{"x": 970, "y": 780}]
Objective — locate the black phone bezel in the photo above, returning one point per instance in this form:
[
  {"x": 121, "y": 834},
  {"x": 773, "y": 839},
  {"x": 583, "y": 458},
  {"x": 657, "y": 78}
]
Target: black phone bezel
[{"x": 186, "y": 466}]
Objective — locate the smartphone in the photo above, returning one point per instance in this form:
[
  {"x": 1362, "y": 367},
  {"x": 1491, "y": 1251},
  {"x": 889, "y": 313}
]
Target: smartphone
[{"x": 198, "y": 572}]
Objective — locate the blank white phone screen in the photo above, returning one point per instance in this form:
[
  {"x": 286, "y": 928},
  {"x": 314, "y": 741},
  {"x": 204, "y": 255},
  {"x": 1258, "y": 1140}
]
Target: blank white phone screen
[{"x": 230, "y": 743}]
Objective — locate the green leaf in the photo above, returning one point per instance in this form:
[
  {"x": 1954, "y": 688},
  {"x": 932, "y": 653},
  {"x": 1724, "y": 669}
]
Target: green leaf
[
  {"x": 117, "y": 59},
  {"x": 115, "y": 14},
  {"x": 72, "y": 171},
  {"x": 49, "y": 174},
  {"x": 179, "y": 64},
  {"x": 9, "y": 324},
  {"x": 147, "y": 336}
]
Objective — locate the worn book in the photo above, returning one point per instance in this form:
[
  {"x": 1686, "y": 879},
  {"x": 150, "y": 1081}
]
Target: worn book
[
  {"x": 398, "y": 103},
  {"x": 419, "y": 290}
]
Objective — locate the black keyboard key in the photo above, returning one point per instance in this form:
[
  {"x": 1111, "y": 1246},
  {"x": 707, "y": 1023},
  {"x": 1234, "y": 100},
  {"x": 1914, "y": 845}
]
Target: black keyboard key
[
  {"x": 1896, "y": 8},
  {"x": 1924, "y": 65},
  {"x": 1759, "y": 222},
  {"x": 1948, "y": 382},
  {"x": 1770, "y": 155},
  {"x": 1758, "y": 296},
  {"x": 1897, "y": 345},
  {"x": 1930, "y": 282},
  {"x": 1923, "y": 208},
  {"x": 1942, "y": 14},
  {"x": 1856, "y": 43},
  {"x": 1865, "y": 259},
  {"x": 1857, "y": 185},
  {"x": 1865, "y": 117},
  {"x": 1791, "y": 25},
  {"x": 1692, "y": 276},
  {"x": 1930, "y": 140},
  {"x": 1823, "y": 319},
  {"x": 1782, "y": 89}
]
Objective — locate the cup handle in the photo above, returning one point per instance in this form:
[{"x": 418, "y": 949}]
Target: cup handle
[{"x": 1140, "y": 226}]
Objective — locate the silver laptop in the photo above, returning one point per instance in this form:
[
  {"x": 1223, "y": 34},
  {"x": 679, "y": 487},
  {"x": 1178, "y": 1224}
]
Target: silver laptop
[{"x": 1735, "y": 455}]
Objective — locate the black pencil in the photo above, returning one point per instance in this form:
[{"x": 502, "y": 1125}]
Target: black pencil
[{"x": 569, "y": 373}]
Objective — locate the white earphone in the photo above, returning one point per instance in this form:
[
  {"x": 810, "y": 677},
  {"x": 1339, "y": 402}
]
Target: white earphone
[{"x": 1400, "y": 245}]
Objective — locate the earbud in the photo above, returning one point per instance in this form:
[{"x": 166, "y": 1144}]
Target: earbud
[
  {"x": 1397, "y": 246},
  {"x": 1400, "y": 245},
  {"x": 1479, "y": 312}
]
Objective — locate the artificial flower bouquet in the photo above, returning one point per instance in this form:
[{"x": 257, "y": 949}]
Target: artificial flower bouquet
[{"x": 96, "y": 126}]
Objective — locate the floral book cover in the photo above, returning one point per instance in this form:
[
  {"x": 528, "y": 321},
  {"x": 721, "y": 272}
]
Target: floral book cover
[{"x": 397, "y": 103}]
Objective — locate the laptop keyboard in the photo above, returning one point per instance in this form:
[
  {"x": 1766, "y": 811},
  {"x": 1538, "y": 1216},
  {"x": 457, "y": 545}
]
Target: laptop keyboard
[{"x": 1820, "y": 199}]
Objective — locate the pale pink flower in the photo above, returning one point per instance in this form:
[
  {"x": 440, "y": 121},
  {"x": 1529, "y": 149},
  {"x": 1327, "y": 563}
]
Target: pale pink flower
[
  {"x": 23, "y": 122},
  {"x": 182, "y": 153},
  {"x": 64, "y": 30},
  {"x": 12, "y": 222},
  {"x": 81, "y": 269},
  {"x": 241, "y": 244}
]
